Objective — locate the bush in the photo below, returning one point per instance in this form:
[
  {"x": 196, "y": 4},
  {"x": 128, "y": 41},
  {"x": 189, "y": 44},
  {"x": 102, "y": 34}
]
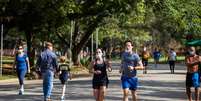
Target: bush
[{"x": 85, "y": 61}]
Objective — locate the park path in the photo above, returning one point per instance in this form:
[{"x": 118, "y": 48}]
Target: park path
[{"x": 157, "y": 85}]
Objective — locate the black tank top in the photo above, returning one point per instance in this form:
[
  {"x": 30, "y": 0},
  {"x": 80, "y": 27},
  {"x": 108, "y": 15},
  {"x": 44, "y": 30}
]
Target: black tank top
[{"x": 100, "y": 77}]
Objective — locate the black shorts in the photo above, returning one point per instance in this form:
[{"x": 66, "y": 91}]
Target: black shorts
[
  {"x": 63, "y": 77},
  {"x": 145, "y": 62},
  {"x": 171, "y": 63},
  {"x": 98, "y": 84}
]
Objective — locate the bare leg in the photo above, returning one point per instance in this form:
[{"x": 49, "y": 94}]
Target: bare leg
[
  {"x": 196, "y": 94},
  {"x": 96, "y": 94},
  {"x": 125, "y": 96},
  {"x": 63, "y": 90},
  {"x": 102, "y": 92},
  {"x": 188, "y": 92},
  {"x": 134, "y": 95}
]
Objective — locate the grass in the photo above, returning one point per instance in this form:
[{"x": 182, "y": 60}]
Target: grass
[{"x": 6, "y": 77}]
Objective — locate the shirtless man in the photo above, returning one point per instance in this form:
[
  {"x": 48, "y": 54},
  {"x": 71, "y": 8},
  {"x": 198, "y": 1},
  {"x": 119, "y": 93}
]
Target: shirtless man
[{"x": 192, "y": 76}]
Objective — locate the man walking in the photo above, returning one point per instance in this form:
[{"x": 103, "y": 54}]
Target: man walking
[{"x": 47, "y": 64}]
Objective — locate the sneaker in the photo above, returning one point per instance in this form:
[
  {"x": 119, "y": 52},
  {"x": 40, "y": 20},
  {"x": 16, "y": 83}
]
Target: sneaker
[
  {"x": 21, "y": 92},
  {"x": 47, "y": 99},
  {"x": 62, "y": 98}
]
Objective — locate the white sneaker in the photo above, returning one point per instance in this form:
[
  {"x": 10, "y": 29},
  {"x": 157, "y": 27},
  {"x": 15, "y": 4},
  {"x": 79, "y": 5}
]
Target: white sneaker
[
  {"x": 62, "y": 98},
  {"x": 21, "y": 92}
]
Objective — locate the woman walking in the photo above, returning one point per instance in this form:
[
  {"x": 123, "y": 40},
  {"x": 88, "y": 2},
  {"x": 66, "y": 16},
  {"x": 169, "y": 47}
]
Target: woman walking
[{"x": 22, "y": 66}]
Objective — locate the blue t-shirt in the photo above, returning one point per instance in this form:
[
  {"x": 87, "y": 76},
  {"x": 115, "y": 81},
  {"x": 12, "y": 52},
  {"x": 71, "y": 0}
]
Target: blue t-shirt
[
  {"x": 157, "y": 55},
  {"x": 21, "y": 62},
  {"x": 129, "y": 60}
]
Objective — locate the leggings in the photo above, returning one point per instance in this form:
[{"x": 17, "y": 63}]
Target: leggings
[{"x": 21, "y": 74}]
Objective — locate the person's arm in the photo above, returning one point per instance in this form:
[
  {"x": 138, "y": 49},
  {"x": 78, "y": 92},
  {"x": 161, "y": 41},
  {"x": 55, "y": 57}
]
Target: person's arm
[
  {"x": 56, "y": 65},
  {"x": 140, "y": 66},
  {"x": 109, "y": 66},
  {"x": 28, "y": 65},
  {"x": 38, "y": 63},
  {"x": 14, "y": 63},
  {"x": 91, "y": 68},
  {"x": 190, "y": 64}
]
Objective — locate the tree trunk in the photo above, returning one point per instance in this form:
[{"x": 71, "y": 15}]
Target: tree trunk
[
  {"x": 84, "y": 39},
  {"x": 75, "y": 55},
  {"x": 30, "y": 49}
]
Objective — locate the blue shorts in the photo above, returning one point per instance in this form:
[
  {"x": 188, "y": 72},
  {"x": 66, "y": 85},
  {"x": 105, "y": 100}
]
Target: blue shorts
[
  {"x": 192, "y": 80},
  {"x": 63, "y": 77},
  {"x": 129, "y": 82}
]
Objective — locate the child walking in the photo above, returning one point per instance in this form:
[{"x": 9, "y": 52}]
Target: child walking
[{"x": 64, "y": 74}]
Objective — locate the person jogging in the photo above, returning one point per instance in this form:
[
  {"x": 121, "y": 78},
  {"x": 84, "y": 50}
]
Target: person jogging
[
  {"x": 130, "y": 64},
  {"x": 100, "y": 81}
]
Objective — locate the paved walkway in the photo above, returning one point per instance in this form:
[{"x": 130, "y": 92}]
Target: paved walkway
[{"x": 157, "y": 85}]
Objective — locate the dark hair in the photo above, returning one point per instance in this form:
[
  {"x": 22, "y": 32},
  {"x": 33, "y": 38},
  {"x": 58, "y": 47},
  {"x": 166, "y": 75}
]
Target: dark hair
[
  {"x": 128, "y": 41},
  {"x": 100, "y": 49}
]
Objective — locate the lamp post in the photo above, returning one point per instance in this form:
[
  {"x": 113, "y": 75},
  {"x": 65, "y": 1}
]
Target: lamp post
[
  {"x": 97, "y": 38},
  {"x": 1, "y": 50},
  {"x": 92, "y": 52}
]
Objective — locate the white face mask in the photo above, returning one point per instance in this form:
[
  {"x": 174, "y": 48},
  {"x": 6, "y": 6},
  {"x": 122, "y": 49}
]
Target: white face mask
[
  {"x": 20, "y": 51},
  {"x": 99, "y": 56}
]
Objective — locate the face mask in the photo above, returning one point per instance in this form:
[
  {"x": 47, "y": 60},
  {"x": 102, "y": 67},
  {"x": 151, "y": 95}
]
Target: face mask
[
  {"x": 99, "y": 56},
  {"x": 20, "y": 51},
  {"x": 191, "y": 52}
]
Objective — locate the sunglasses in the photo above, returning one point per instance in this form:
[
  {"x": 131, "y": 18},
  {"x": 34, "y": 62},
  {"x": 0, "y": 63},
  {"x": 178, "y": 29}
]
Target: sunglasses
[{"x": 98, "y": 52}]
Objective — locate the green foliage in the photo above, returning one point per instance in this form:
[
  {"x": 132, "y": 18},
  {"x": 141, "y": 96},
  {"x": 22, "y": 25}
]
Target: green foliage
[{"x": 85, "y": 61}]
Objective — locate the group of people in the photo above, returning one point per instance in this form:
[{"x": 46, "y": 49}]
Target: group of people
[
  {"x": 48, "y": 65},
  {"x": 130, "y": 62},
  {"x": 156, "y": 56}
]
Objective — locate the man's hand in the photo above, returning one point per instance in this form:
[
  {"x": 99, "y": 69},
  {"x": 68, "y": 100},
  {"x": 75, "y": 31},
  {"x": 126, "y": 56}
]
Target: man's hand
[{"x": 130, "y": 68}]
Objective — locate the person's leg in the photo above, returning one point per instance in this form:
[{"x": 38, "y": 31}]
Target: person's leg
[
  {"x": 155, "y": 63},
  {"x": 96, "y": 94},
  {"x": 134, "y": 95},
  {"x": 125, "y": 87},
  {"x": 197, "y": 94},
  {"x": 63, "y": 91},
  {"x": 102, "y": 92},
  {"x": 170, "y": 67},
  {"x": 125, "y": 94},
  {"x": 48, "y": 83},
  {"x": 188, "y": 92},
  {"x": 173, "y": 66},
  {"x": 21, "y": 74}
]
